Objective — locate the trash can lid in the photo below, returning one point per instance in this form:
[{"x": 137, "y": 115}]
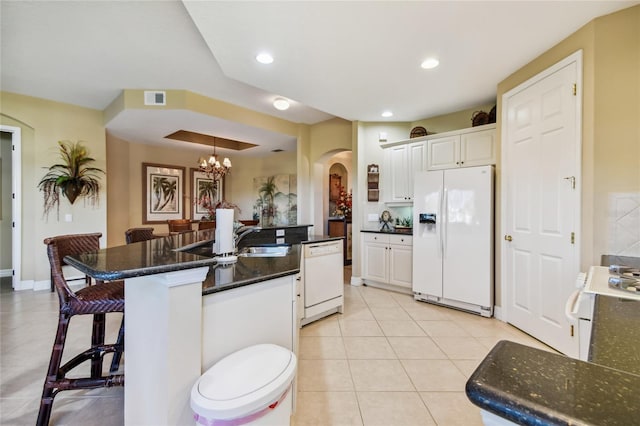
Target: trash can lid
[{"x": 244, "y": 382}]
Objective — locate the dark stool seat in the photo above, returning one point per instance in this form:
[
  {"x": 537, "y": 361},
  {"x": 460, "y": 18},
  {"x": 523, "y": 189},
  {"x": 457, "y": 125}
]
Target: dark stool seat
[
  {"x": 96, "y": 300},
  {"x": 134, "y": 235}
]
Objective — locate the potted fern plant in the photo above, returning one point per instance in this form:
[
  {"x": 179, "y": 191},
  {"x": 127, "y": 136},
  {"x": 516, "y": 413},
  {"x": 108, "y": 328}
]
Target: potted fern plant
[{"x": 73, "y": 177}]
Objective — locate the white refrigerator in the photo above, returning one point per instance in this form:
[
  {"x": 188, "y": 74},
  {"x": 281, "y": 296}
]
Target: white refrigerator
[{"x": 453, "y": 238}]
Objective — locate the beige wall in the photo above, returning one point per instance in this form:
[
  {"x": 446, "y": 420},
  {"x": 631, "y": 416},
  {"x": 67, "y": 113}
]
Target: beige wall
[
  {"x": 453, "y": 121},
  {"x": 43, "y": 123},
  {"x": 610, "y": 122}
]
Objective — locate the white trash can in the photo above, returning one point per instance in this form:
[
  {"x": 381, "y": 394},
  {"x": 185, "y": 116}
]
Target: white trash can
[{"x": 249, "y": 387}]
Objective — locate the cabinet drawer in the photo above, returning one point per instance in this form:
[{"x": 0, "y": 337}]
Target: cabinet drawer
[
  {"x": 405, "y": 240},
  {"x": 375, "y": 238}
]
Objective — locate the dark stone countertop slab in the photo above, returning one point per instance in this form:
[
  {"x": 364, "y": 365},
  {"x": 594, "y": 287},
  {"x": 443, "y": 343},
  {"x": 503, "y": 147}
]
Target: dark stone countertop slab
[
  {"x": 408, "y": 231},
  {"x": 530, "y": 386},
  {"x": 143, "y": 258},
  {"x": 615, "y": 334},
  {"x": 321, "y": 239},
  {"x": 160, "y": 256}
]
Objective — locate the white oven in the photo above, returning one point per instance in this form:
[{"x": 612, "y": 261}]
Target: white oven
[{"x": 579, "y": 312}]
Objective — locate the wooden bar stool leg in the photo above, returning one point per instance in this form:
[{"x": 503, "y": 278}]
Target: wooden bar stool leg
[
  {"x": 48, "y": 391},
  {"x": 117, "y": 355},
  {"x": 97, "y": 339}
]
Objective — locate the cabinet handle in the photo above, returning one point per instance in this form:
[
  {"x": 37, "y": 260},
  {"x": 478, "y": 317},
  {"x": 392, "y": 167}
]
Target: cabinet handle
[
  {"x": 462, "y": 162},
  {"x": 508, "y": 238}
]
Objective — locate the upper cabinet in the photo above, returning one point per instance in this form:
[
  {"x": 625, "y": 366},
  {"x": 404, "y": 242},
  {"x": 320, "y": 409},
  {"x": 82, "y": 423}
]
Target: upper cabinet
[
  {"x": 470, "y": 147},
  {"x": 475, "y": 146},
  {"x": 401, "y": 163}
]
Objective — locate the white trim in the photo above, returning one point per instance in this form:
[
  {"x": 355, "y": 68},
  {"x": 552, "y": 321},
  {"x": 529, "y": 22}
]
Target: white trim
[
  {"x": 26, "y": 285},
  {"x": 356, "y": 281},
  {"x": 5, "y": 273},
  {"x": 577, "y": 58},
  {"x": 16, "y": 205},
  {"x": 497, "y": 313}
]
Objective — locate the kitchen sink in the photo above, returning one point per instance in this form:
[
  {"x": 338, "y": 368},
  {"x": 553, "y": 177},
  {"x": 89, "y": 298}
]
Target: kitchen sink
[{"x": 279, "y": 250}]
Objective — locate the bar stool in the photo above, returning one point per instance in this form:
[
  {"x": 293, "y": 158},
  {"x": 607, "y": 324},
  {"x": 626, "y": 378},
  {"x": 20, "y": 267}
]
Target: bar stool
[
  {"x": 206, "y": 224},
  {"x": 179, "y": 225},
  {"x": 96, "y": 300},
  {"x": 134, "y": 235}
]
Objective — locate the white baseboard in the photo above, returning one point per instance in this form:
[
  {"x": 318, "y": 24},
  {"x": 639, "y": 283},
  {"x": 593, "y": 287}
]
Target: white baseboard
[
  {"x": 42, "y": 285},
  {"x": 6, "y": 273},
  {"x": 24, "y": 285},
  {"x": 497, "y": 313},
  {"x": 356, "y": 281}
]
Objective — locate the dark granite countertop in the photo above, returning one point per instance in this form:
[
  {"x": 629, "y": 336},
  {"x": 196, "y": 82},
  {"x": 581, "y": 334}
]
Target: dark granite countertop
[
  {"x": 160, "y": 256},
  {"x": 321, "y": 238},
  {"x": 533, "y": 387},
  {"x": 406, "y": 231},
  {"x": 530, "y": 386}
]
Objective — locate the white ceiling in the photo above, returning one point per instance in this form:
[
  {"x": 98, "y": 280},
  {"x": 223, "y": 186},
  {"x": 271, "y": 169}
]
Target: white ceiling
[{"x": 350, "y": 59}]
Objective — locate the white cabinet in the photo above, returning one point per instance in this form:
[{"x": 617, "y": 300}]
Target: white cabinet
[
  {"x": 467, "y": 148},
  {"x": 402, "y": 162},
  {"x": 387, "y": 259}
]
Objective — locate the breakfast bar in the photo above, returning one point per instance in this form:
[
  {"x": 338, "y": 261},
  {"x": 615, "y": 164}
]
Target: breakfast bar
[{"x": 173, "y": 325}]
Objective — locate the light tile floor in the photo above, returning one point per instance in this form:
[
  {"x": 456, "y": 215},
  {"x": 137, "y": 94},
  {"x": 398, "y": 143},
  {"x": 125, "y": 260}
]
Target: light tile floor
[{"x": 388, "y": 360}]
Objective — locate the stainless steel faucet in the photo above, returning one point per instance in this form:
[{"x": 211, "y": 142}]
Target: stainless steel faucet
[{"x": 242, "y": 232}]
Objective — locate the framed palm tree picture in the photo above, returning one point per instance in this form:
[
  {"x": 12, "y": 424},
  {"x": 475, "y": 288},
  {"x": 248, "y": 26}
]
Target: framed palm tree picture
[
  {"x": 206, "y": 193},
  {"x": 163, "y": 192}
]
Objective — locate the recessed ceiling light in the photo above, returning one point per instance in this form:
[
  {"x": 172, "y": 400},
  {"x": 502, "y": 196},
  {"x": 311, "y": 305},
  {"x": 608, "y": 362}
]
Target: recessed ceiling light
[
  {"x": 430, "y": 63},
  {"x": 281, "y": 104},
  {"x": 387, "y": 114},
  {"x": 264, "y": 58}
]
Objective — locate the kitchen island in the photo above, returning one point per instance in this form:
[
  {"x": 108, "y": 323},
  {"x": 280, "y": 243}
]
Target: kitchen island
[
  {"x": 184, "y": 312},
  {"x": 529, "y": 386}
]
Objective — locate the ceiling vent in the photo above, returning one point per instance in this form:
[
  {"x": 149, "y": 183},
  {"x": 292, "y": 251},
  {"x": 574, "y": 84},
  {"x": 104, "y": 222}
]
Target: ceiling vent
[{"x": 155, "y": 97}]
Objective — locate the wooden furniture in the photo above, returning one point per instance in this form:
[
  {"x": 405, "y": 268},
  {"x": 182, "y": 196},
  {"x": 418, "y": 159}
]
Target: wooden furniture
[
  {"x": 387, "y": 258},
  {"x": 342, "y": 228},
  {"x": 97, "y": 300},
  {"x": 468, "y": 148},
  {"x": 249, "y": 222},
  {"x": 206, "y": 224},
  {"x": 373, "y": 182},
  {"x": 179, "y": 225},
  {"x": 134, "y": 235}
]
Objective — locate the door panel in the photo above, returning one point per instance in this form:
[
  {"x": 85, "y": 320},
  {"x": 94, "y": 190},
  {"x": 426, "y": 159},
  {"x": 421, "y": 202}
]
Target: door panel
[
  {"x": 468, "y": 237},
  {"x": 540, "y": 144}
]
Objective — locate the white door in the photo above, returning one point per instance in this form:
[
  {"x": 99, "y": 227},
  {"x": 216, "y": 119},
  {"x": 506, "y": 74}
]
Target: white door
[
  {"x": 468, "y": 235},
  {"x": 427, "y": 241},
  {"x": 541, "y": 164},
  {"x": 397, "y": 165}
]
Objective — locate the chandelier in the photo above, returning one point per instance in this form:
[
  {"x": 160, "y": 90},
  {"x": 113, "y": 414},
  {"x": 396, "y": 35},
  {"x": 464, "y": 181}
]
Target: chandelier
[{"x": 212, "y": 167}]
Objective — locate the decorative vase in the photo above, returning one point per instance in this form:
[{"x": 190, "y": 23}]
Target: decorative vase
[{"x": 71, "y": 191}]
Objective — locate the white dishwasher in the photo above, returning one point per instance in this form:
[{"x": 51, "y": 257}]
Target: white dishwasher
[{"x": 323, "y": 279}]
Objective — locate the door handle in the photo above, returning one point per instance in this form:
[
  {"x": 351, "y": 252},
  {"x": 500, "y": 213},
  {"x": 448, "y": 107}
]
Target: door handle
[
  {"x": 508, "y": 238},
  {"x": 573, "y": 181}
]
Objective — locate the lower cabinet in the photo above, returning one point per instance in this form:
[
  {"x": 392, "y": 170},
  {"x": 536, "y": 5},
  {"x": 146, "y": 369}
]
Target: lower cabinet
[{"x": 387, "y": 259}]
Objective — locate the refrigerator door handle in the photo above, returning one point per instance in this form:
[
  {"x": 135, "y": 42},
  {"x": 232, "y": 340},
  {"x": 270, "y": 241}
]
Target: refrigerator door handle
[{"x": 443, "y": 222}]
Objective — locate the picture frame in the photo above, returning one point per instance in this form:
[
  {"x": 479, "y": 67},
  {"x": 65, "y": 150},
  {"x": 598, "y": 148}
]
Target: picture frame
[
  {"x": 201, "y": 185},
  {"x": 163, "y": 192},
  {"x": 335, "y": 185}
]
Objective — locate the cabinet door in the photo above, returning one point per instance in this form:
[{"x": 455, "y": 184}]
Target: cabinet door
[
  {"x": 401, "y": 265},
  {"x": 417, "y": 155},
  {"x": 443, "y": 153},
  {"x": 478, "y": 148},
  {"x": 397, "y": 164},
  {"x": 375, "y": 262}
]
